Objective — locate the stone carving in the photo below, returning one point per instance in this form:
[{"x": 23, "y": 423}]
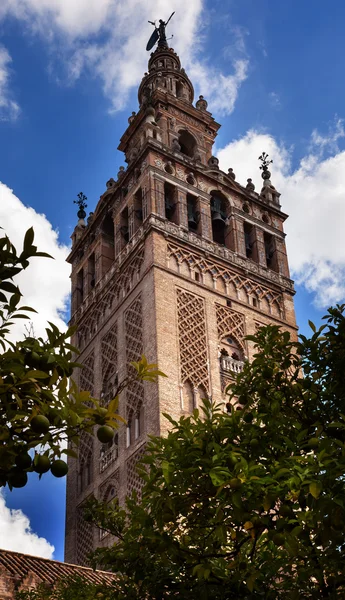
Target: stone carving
[
  {"x": 159, "y": 163},
  {"x": 134, "y": 350},
  {"x": 86, "y": 377},
  {"x": 109, "y": 363},
  {"x": 134, "y": 481},
  {"x": 192, "y": 340},
  {"x": 115, "y": 288},
  {"x": 84, "y": 538},
  {"x": 230, "y": 322},
  {"x": 231, "y": 279}
]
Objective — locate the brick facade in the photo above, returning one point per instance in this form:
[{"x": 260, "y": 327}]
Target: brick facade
[{"x": 179, "y": 261}]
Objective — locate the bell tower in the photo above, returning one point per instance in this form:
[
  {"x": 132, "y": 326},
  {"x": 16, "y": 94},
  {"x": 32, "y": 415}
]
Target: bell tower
[{"x": 179, "y": 262}]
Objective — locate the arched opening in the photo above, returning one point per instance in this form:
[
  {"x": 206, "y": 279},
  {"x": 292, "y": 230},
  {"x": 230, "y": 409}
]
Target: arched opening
[
  {"x": 80, "y": 287},
  {"x": 250, "y": 241},
  {"x": 135, "y": 425},
  {"x": 188, "y": 397},
  {"x": 179, "y": 89},
  {"x": 124, "y": 226},
  {"x": 187, "y": 143},
  {"x": 138, "y": 209},
  {"x": 91, "y": 272},
  {"x": 219, "y": 208},
  {"x": 231, "y": 355},
  {"x": 193, "y": 213},
  {"x": 270, "y": 252},
  {"x": 108, "y": 227},
  {"x": 170, "y": 202}
]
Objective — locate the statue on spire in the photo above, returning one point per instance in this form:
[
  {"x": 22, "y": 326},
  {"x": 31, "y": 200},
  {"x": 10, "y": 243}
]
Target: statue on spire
[{"x": 159, "y": 34}]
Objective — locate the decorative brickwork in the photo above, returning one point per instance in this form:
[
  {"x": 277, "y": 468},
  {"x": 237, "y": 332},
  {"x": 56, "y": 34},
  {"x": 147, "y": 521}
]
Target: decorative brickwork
[
  {"x": 134, "y": 481},
  {"x": 109, "y": 297},
  {"x": 192, "y": 339},
  {"x": 84, "y": 538},
  {"x": 107, "y": 493},
  {"x": 86, "y": 377},
  {"x": 134, "y": 350},
  {"x": 109, "y": 363},
  {"x": 86, "y": 442},
  {"x": 271, "y": 301},
  {"x": 230, "y": 322}
]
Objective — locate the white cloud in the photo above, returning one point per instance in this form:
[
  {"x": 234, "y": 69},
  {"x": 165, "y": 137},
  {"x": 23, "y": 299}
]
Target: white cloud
[
  {"x": 45, "y": 283},
  {"x": 16, "y": 533},
  {"x": 9, "y": 109},
  {"x": 107, "y": 38},
  {"x": 313, "y": 195}
]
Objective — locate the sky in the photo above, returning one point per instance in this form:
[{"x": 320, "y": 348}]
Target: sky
[{"x": 69, "y": 74}]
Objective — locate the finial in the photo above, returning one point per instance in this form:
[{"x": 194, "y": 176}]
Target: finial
[
  {"x": 159, "y": 34},
  {"x": 264, "y": 165},
  {"x": 81, "y": 214},
  {"x": 250, "y": 185}
]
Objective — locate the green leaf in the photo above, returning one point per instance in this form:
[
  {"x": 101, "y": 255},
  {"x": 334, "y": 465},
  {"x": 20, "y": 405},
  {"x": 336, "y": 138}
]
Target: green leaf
[{"x": 315, "y": 489}]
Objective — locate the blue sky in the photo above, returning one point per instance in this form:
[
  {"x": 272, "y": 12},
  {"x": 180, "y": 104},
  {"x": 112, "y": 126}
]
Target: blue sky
[{"x": 271, "y": 72}]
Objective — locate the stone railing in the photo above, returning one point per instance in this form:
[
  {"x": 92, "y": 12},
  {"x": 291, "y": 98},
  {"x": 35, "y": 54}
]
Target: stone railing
[
  {"x": 108, "y": 457},
  {"x": 231, "y": 365}
]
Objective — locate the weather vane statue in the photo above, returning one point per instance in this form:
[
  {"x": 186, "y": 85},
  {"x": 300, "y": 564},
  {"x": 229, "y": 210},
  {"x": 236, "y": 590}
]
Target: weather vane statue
[{"x": 159, "y": 34}]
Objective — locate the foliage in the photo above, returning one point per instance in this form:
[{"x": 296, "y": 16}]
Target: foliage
[
  {"x": 40, "y": 406},
  {"x": 248, "y": 504},
  {"x": 72, "y": 588}
]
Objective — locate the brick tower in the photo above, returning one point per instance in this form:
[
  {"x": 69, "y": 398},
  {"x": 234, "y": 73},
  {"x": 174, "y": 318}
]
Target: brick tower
[{"x": 178, "y": 262}]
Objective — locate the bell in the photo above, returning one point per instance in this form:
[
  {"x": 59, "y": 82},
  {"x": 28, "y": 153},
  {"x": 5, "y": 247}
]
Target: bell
[
  {"x": 217, "y": 217},
  {"x": 192, "y": 222}
]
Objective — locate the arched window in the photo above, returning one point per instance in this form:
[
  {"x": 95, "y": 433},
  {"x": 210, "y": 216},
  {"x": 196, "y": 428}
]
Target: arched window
[
  {"x": 170, "y": 202},
  {"x": 108, "y": 227},
  {"x": 187, "y": 143},
  {"x": 124, "y": 226},
  {"x": 188, "y": 397},
  {"x": 193, "y": 213},
  {"x": 179, "y": 89},
  {"x": 231, "y": 356},
  {"x": 270, "y": 251},
  {"x": 135, "y": 425},
  {"x": 219, "y": 209},
  {"x": 138, "y": 209}
]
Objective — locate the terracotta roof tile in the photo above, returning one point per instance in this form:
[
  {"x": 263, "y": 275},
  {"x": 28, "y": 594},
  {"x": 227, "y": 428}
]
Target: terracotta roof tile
[{"x": 19, "y": 565}]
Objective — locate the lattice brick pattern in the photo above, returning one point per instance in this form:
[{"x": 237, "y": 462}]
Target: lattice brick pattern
[
  {"x": 85, "y": 446},
  {"x": 86, "y": 377},
  {"x": 110, "y": 295},
  {"x": 134, "y": 481},
  {"x": 196, "y": 261},
  {"x": 134, "y": 350},
  {"x": 84, "y": 538},
  {"x": 109, "y": 362},
  {"x": 86, "y": 383},
  {"x": 192, "y": 339},
  {"x": 109, "y": 489},
  {"x": 107, "y": 493},
  {"x": 230, "y": 322}
]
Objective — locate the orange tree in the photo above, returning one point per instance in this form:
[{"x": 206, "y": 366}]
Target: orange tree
[
  {"x": 41, "y": 408},
  {"x": 246, "y": 504}
]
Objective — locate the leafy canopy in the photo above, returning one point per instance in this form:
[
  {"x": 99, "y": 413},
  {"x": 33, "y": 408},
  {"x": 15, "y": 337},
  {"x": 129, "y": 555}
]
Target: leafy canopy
[
  {"x": 245, "y": 504},
  {"x": 40, "y": 406}
]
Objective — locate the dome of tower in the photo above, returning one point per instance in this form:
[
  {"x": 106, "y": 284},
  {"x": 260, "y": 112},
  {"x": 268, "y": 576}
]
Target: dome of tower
[{"x": 165, "y": 73}]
